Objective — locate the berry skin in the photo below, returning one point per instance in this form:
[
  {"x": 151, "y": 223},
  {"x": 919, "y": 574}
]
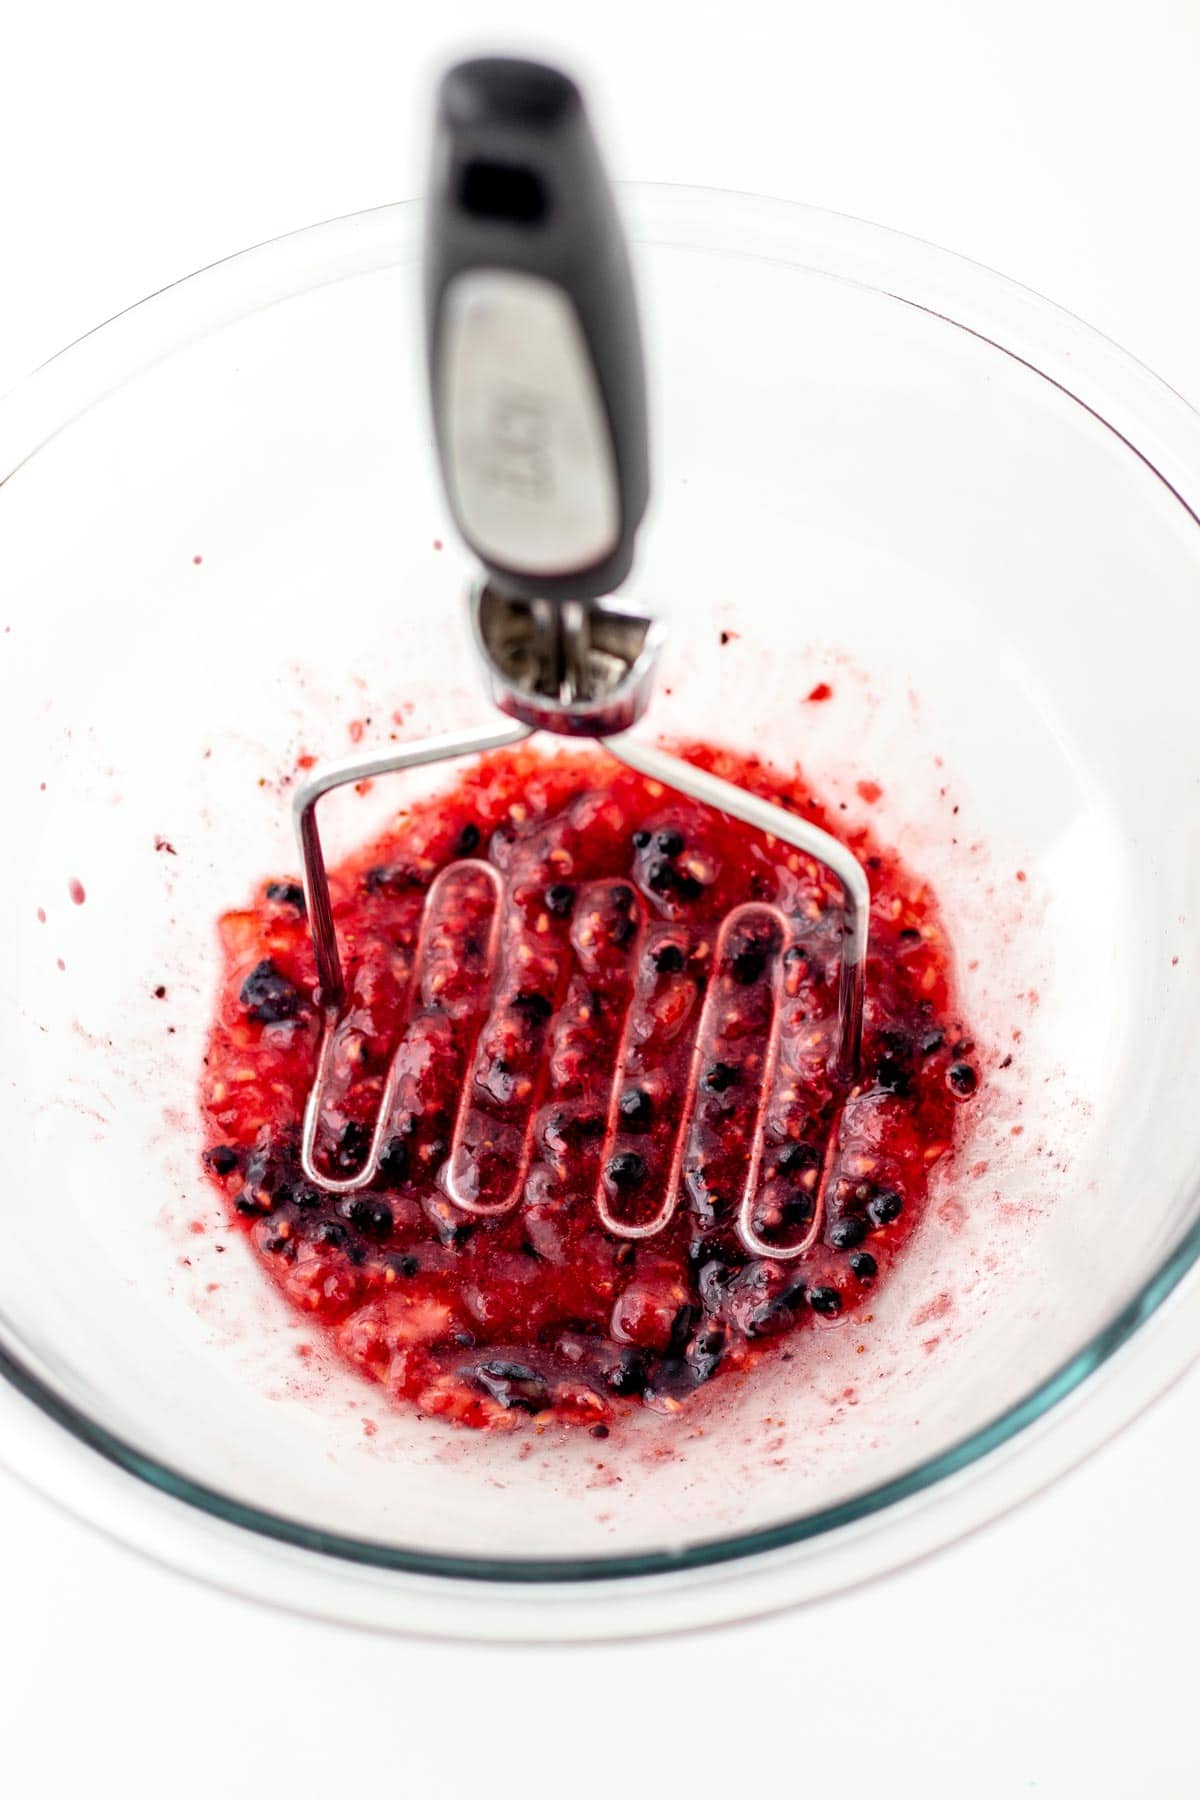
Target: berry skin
[{"x": 826, "y": 1301}]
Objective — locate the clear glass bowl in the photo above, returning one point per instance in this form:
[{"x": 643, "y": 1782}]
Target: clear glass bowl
[{"x": 877, "y": 466}]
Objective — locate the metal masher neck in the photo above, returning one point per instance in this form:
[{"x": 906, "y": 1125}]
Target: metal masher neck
[{"x": 579, "y": 668}]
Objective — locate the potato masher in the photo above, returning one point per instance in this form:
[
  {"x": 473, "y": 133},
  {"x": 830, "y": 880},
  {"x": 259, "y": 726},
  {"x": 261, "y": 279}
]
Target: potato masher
[{"x": 538, "y": 392}]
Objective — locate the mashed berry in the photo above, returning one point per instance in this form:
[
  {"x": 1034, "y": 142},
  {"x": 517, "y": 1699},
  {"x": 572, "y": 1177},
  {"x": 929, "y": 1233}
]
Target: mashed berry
[{"x": 537, "y": 958}]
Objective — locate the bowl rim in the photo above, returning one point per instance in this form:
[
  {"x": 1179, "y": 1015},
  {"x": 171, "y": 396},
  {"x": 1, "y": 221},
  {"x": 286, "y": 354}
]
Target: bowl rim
[{"x": 990, "y": 1468}]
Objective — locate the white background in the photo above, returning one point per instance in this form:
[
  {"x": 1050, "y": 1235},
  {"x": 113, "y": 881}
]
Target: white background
[{"x": 1057, "y": 140}]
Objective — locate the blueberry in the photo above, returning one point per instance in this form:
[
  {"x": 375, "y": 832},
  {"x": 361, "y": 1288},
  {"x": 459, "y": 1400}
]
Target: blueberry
[
  {"x": 560, "y": 898},
  {"x": 514, "y": 1385},
  {"x": 535, "y": 1007},
  {"x": 641, "y": 840},
  {"x": 795, "y": 1159},
  {"x": 260, "y": 1170},
  {"x": 467, "y": 841},
  {"x": 846, "y": 1234},
  {"x": 286, "y": 893},
  {"x": 797, "y": 1212},
  {"x": 885, "y": 1207},
  {"x": 635, "y": 1109},
  {"x": 393, "y": 1164},
  {"x": 681, "y": 1329},
  {"x": 330, "y": 1232},
  {"x": 352, "y": 1147},
  {"x": 892, "y": 1076},
  {"x": 627, "y": 1169},
  {"x": 222, "y": 1159},
  {"x": 253, "y": 1202},
  {"x": 712, "y": 1280},
  {"x": 826, "y": 1301},
  {"x": 669, "y": 842},
  {"x": 688, "y": 887},
  {"x": 748, "y": 964},
  {"x": 932, "y": 1042},
  {"x": 371, "y": 1216},
  {"x": 629, "y": 1376},
  {"x": 669, "y": 959},
  {"x": 704, "y": 1355},
  {"x": 719, "y": 1077},
  {"x": 769, "y": 1319},
  {"x": 394, "y": 878},
  {"x": 501, "y": 1370},
  {"x": 269, "y": 996},
  {"x": 962, "y": 1079},
  {"x": 863, "y": 1266}
]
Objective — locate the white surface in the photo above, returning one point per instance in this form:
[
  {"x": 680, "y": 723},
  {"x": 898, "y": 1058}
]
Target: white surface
[{"x": 1058, "y": 142}]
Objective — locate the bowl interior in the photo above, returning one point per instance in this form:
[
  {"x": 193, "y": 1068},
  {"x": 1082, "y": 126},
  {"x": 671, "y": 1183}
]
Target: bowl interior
[{"x": 236, "y": 555}]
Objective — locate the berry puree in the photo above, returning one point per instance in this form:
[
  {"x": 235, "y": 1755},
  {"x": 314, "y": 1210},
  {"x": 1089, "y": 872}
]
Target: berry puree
[{"x": 576, "y": 1040}]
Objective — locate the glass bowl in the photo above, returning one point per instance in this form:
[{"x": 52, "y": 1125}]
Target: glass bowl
[{"x": 221, "y": 546}]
